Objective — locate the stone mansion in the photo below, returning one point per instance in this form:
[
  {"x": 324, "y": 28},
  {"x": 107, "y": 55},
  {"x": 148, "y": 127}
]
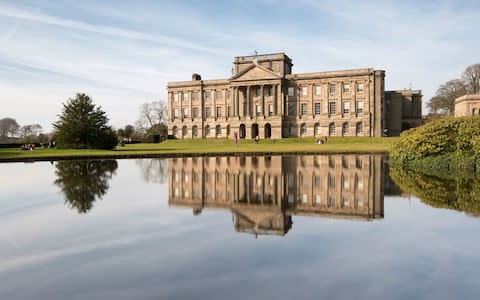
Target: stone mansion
[{"x": 263, "y": 98}]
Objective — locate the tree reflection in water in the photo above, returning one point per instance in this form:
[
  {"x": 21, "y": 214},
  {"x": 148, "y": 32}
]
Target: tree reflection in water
[
  {"x": 83, "y": 182},
  {"x": 462, "y": 194},
  {"x": 153, "y": 170}
]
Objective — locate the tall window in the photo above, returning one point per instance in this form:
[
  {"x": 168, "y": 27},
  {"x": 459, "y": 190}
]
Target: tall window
[
  {"x": 360, "y": 87},
  {"x": 218, "y": 95},
  {"x": 208, "y": 112},
  {"x": 208, "y": 95},
  {"x": 360, "y": 107},
  {"x": 219, "y": 111},
  {"x": 332, "y": 108},
  {"x": 270, "y": 109},
  {"x": 346, "y": 107},
  {"x": 259, "y": 110},
  {"x": 318, "y": 90},
  {"x": 291, "y": 91},
  {"x": 304, "y": 91},
  {"x": 176, "y": 113},
  {"x": 318, "y": 108},
  {"x": 331, "y": 129},
  {"x": 195, "y": 112},
  {"x": 229, "y": 95},
  {"x": 186, "y": 96},
  {"x": 359, "y": 128},
  {"x": 185, "y": 112},
  {"x": 332, "y": 88},
  {"x": 270, "y": 91},
  {"x": 303, "y": 109},
  {"x": 346, "y": 88},
  {"x": 258, "y": 92},
  {"x": 175, "y": 97},
  {"x": 291, "y": 109},
  {"x": 194, "y": 96},
  {"x": 229, "y": 111},
  {"x": 344, "y": 129}
]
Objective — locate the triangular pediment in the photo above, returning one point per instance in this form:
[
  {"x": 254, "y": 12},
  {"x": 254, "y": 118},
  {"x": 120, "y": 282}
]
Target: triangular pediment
[{"x": 255, "y": 72}]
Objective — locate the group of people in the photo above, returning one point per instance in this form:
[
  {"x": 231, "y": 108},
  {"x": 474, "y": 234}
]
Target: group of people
[
  {"x": 28, "y": 147},
  {"x": 321, "y": 141}
]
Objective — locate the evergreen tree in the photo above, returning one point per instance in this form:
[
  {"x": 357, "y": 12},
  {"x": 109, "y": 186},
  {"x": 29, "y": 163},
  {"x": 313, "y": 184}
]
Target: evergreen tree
[{"x": 83, "y": 125}]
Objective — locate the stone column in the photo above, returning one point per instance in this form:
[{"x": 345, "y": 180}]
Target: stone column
[
  {"x": 248, "y": 101},
  {"x": 262, "y": 98}
]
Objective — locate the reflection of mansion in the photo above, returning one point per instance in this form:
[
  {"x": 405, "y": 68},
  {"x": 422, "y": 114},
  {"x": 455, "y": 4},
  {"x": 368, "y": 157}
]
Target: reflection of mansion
[
  {"x": 264, "y": 98},
  {"x": 264, "y": 193}
]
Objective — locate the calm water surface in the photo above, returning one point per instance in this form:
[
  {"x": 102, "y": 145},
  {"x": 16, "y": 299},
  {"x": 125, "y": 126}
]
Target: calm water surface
[{"x": 299, "y": 227}]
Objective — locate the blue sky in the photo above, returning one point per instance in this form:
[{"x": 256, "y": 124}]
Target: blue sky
[{"x": 123, "y": 53}]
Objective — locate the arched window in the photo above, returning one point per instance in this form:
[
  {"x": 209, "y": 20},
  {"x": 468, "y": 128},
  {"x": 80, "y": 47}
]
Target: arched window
[
  {"x": 331, "y": 129},
  {"x": 359, "y": 128},
  {"x": 303, "y": 129},
  {"x": 194, "y": 131},
  {"x": 218, "y": 130},
  {"x": 316, "y": 129},
  {"x": 344, "y": 129},
  {"x": 184, "y": 131},
  {"x": 174, "y": 131},
  {"x": 207, "y": 130}
]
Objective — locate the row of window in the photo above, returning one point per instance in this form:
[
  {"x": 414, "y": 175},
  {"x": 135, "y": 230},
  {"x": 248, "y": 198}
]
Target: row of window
[
  {"x": 219, "y": 112},
  {"x": 332, "y": 89},
  {"x": 268, "y": 91}
]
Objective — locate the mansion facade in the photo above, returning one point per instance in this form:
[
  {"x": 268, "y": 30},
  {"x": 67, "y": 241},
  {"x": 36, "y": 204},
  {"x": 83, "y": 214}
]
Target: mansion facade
[{"x": 263, "y": 98}]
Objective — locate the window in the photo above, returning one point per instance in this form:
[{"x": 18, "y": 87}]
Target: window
[
  {"x": 346, "y": 88},
  {"x": 229, "y": 95},
  {"x": 258, "y": 92},
  {"x": 186, "y": 96},
  {"x": 346, "y": 107},
  {"x": 185, "y": 112},
  {"x": 303, "y": 109},
  {"x": 291, "y": 109},
  {"x": 175, "y": 97},
  {"x": 259, "y": 110},
  {"x": 194, "y": 96},
  {"x": 359, "y": 128},
  {"x": 360, "y": 107},
  {"x": 207, "y": 133},
  {"x": 317, "y": 129},
  {"x": 176, "y": 113},
  {"x": 303, "y": 129},
  {"x": 270, "y": 109},
  {"x": 229, "y": 111},
  {"x": 304, "y": 91},
  {"x": 332, "y": 108},
  {"x": 318, "y": 108},
  {"x": 195, "y": 112},
  {"x": 270, "y": 91},
  {"x": 318, "y": 90},
  {"x": 344, "y": 129},
  {"x": 218, "y": 95},
  {"x": 219, "y": 111},
  {"x": 331, "y": 181},
  {"x": 208, "y": 112},
  {"x": 360, "y": 87},
  {"x": 332, "y": 88},
  {"x": 331, "y": 129},
  {"x": 218, "y": 130},
  {"x": 208, "y": 95},
  {"x": 291, "y": 91}
]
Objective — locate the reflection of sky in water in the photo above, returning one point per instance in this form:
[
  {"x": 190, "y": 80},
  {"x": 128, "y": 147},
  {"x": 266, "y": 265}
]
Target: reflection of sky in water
[{"x": 132, "y": 246}]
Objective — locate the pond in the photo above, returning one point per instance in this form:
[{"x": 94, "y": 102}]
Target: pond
[{"x": 266, "y": 227}]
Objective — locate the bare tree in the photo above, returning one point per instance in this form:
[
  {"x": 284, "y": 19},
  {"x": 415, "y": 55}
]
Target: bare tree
[
  {"x": 30, "y": 130},
  {"x": 471, "y": 78},
  {"x": 8, "y": 127},
  {"x": 152, "y": 116},
  {"x": 448, "y": 92}
]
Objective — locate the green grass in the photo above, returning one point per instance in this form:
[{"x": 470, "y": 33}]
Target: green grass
[{"x": 210, "y": 146}]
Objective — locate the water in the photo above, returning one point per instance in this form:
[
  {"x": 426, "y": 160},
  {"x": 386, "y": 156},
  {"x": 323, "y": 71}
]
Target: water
[{"x": 333, "y": 227}]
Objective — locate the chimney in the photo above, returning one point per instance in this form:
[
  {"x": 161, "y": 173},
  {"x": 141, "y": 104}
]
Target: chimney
[{"x": 196, "y": 77}]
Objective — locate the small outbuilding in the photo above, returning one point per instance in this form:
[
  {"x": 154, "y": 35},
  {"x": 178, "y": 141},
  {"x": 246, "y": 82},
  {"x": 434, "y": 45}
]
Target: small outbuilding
[{"x": 467, "y": 105}]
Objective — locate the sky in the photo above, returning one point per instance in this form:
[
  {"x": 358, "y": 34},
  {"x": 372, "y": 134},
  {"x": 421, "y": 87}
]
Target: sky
[{"x": 123, "y": 53}]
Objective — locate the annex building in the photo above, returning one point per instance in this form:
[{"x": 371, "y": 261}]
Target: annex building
[{"x": 264, "y": 98}]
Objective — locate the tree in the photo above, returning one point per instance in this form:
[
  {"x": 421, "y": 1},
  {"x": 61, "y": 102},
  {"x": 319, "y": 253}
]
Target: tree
[
  {"x": 8, "y": 127},
  {"x": 153, "y": 117},
  {"x": 82, "y": 182},
  {"x": 127, "y": 131},
  {"x": 447, "y": 93},
  {"x": 83, "y": 125},
  {"x": 31, "y": 130},
  {"x": 471, "y": 78}
]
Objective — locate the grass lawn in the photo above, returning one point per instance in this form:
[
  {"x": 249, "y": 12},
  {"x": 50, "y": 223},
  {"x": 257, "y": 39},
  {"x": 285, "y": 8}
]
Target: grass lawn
[{"x": 211, "y": 146}]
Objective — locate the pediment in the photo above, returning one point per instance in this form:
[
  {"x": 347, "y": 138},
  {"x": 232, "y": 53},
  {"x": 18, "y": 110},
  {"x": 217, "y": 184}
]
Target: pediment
[{"x": 255, "y": 72}]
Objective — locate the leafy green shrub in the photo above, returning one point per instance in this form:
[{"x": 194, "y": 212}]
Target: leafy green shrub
[{"x": 440, "y": 137}]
